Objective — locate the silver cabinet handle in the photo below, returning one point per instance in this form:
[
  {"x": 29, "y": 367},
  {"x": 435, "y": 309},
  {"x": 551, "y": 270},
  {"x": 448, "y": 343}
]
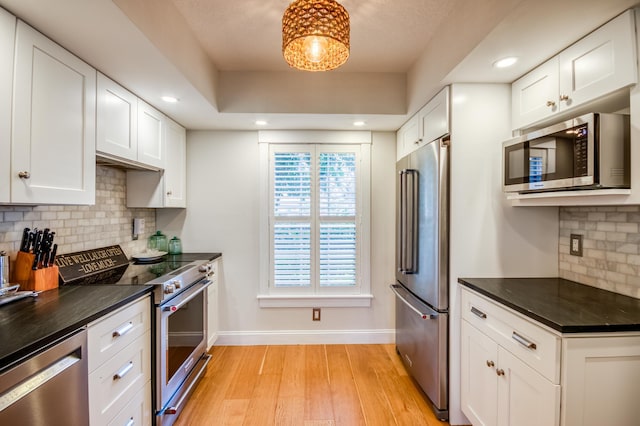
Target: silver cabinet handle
[
  {"x": 477, "y": 312},
  {"x": 24, "y": 175},
  {"x": 131, "y": 422},
  {"x": 122, "y": 330},
  {"x": 523, "y": 341},
  {"x": 413, "y": 308},
  {"x": 123, "y": 371}
]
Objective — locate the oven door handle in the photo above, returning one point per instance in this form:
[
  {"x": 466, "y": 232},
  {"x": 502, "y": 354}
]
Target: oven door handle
[{"x": 174, "y": 308}]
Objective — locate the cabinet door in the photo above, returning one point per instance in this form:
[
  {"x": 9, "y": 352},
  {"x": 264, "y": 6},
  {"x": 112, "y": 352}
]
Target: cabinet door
[
  {"x": 117, "y": 120},
  {"x": 601, "y": 381},
  {"x": 479, "y": 393},
  {"x": 175, "y": 167},
  {"x": 434, "y": 117},
  {"x": 525, "y": 398},
  {"x": 408, "y": 137},
  {"x": 535, "y": 96},
  {"x": 151, "y": 135},
  {"x": 54, "y": 112},
  {"x": 599, "y": 64},
  {"x": 7, "y": 39}
]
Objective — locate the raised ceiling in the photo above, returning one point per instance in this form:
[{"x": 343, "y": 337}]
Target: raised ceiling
[{"x": 223, "y": 60}]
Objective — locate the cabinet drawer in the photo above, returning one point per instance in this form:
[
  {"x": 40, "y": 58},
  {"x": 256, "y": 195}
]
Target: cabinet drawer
[
  {"x": 537, "y": 347},
  {"x": 118, "y": 380},
  {"x": 109, "y": 335},
  {"x": 138, "y": 410}
]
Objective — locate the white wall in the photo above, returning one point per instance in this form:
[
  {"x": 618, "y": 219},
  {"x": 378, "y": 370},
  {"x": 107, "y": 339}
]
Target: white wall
[
  {"x": 489, "y": 238},
  {"x": 222, "y": 215}
]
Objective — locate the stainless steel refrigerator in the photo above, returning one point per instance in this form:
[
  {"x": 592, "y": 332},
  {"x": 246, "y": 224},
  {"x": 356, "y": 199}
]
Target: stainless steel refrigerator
[{"x": 422, "y": 269}]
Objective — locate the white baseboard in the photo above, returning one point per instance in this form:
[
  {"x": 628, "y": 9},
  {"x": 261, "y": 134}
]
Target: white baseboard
[{"x": 305, "y": 337}]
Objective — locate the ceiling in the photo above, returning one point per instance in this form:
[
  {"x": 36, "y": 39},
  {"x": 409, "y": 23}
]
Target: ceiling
[{"x": 222, "y": 59}]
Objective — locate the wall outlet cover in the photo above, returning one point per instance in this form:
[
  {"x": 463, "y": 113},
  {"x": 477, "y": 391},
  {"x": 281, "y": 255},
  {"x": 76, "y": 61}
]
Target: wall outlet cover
[{"x": 575, "y": 245}]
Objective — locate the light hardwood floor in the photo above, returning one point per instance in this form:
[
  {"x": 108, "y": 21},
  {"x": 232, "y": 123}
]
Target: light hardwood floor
[{"x": 306, "y": 385}]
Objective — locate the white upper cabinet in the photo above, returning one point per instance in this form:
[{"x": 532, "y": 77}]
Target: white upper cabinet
[
  {"x": 175, "y": 185},
  {"x": 7, "y": 40},
  {"x": 117, "y": 120},
  {"x": 54, "y": 134},
  {"x": 597, "y": 65},
  {"x": 430, "y": 123},
  {"x": 151, "y": 129},
  {"x": 166, "y": 188}
]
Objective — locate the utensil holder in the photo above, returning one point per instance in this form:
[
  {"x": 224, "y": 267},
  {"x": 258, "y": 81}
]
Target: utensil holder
[{"x": 35, "y": 280}]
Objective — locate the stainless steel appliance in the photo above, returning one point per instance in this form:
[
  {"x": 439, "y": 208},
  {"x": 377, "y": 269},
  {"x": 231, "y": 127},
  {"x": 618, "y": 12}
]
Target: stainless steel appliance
[
  {"x": 180, "y": 299},
  {"x": 587, "y": 152},
  {"x": 422, "y": 272},
  {"x": 49, "y": 387}
]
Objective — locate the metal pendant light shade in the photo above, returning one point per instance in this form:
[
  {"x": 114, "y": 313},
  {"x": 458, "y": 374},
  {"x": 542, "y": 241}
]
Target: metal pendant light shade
[{"x": 315, "y": 35}]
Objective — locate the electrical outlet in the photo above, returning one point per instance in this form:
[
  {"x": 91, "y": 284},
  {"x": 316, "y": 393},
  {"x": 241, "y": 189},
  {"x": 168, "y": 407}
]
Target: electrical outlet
[
  {"x": 575, "y": 245},
  {"x": 316, "y": 314}
]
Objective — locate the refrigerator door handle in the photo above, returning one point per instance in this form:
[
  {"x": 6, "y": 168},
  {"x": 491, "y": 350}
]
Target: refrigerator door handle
[
  {"x": 425, "y": 316},
  {"x": 407, "y": 244}
]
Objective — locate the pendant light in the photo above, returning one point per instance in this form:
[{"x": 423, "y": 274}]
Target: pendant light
[{"x": 315, "y": 35}]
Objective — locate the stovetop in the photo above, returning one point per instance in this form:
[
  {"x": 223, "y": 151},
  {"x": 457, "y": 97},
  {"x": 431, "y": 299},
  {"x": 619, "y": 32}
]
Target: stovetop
[{"x": 138, "y": 273}]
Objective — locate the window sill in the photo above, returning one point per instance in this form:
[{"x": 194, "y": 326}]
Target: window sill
[{"x": 341, "y": 301}]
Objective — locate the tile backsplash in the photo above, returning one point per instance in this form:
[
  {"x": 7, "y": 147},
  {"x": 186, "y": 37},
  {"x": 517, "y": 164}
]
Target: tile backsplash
[
  {"x": 611, "y": 247},
  {"x": 79, "y": 228}
]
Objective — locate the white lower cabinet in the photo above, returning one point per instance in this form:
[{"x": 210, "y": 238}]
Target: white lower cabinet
[
  {"x": 212, "y": 306},
  {"x": 120, "y": 366},
  {"x": 500, "y": 389},
  {"x": 517, "y": 372}
]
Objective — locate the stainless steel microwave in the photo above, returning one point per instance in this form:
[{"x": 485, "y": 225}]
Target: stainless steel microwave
[{"x": 587, "y": 152}]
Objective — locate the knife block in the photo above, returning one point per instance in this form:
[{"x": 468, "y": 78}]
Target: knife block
[{"x": 35, "y": 280}]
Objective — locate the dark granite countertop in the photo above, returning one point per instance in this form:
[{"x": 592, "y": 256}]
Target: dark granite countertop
[
  {"x": 563, "y": 305},
  {"x": 188, "y": 257},
  {"x": 29, "y": 324}
]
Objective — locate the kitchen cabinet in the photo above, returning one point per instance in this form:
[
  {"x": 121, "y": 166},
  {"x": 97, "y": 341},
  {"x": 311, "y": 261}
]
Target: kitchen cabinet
[
  {"x": 165, "y": 188},
  {"x": 599, "y": 64},
  {"x": 431, "y": 122},
  {"x": 498, "y": 387},
  {"x": 212, "y": 306},
  {"x": 7, "y": 40},
  {"x": 151, "y": 135},
  {"x": 119, "y": 346},
  {"x": 54, "y": 111},
  {"x": 117, "y": 120},
  {"x": 516, "y": 371}
]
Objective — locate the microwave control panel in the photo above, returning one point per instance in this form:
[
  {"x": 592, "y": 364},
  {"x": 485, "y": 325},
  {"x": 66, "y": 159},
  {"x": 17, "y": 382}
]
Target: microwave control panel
[{"x": 580, "y": 151}]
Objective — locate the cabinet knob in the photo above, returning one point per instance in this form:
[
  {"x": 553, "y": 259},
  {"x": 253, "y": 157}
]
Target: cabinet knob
[
  {"x": 169, "y": 193},
  {"x": 564, "y": 97},
  {"x": 500, "y": 372},
  {"x": 24, "y": 175},
  {"x": 490, "y": 363},
  {"x": 551, "y": 104},
  {"x": 418, "y": 141}
]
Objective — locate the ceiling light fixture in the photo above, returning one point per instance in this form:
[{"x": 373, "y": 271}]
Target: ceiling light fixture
[
  {"x": 170, "y": 99},
  {"x": 261, "y": 122},
  {"x": 359, "y": 123},
  {"x": 315, "y": 35},
  {"x": 505, "y": 62}
]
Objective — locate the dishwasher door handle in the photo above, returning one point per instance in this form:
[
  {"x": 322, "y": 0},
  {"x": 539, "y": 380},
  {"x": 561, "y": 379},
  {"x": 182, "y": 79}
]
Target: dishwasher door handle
[{"x": 396, "y": 289}]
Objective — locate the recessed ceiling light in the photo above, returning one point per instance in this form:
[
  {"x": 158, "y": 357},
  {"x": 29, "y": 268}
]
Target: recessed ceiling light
[
  {"x": 170, "y": 99},
  {"x": 261, "y": 123},
  {"x": 359, "y": 123},
  {"x": 505, "y": 62}
]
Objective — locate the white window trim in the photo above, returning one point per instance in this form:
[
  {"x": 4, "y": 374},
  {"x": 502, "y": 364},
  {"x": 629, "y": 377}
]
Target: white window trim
[{"x": 363, "y": 298}]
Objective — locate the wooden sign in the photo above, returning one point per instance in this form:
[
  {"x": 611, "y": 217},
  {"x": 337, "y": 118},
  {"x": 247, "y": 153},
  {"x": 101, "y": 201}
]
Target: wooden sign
[{"x": 91, "y": 266}]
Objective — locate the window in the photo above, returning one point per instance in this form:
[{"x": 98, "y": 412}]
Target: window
[{"x": 318, "y": 225}]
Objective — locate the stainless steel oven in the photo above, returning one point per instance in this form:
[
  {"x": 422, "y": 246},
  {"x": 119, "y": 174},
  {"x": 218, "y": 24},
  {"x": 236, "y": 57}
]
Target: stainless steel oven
[{"x": 181, "y": 349}]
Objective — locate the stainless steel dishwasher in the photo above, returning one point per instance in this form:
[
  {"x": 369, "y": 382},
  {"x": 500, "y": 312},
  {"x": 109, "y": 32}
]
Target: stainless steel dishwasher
[{"x": 49, "y": 387}]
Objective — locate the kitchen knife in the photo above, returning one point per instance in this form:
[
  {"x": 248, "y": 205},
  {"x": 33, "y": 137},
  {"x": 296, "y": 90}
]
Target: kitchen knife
[
  {"x": 24, "y": 243},
  {"x": 52, "y": 256},
  {"x": 36, "y": 260}
]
